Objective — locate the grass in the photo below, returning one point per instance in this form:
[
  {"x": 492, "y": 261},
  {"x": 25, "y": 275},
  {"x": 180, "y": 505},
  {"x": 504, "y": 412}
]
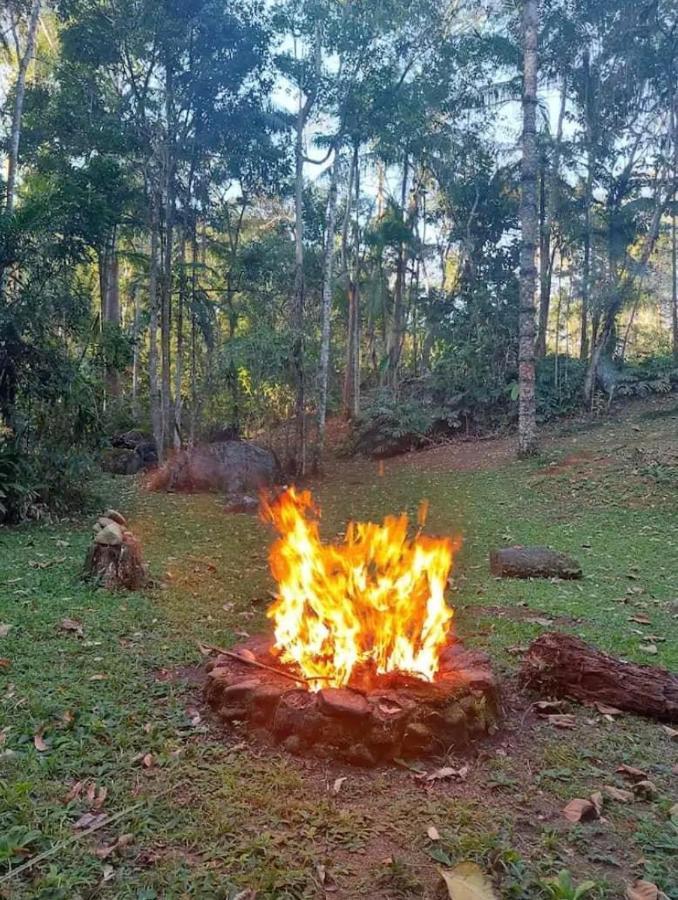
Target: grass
[{"x": 211, "y": 815}]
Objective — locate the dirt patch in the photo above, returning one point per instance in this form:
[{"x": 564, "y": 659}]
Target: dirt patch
[{"x": 583, "y": 459}]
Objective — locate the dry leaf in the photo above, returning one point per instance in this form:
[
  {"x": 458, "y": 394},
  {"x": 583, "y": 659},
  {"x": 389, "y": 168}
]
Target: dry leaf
[
  {"x": 642, "y": 890},
  {"x": 5, "y": 663},
  {"x": 4, "y": 629},
  {"x": 194, "y": 716},
  {"x": 597, "y": 800},
  {"x": 445, "y": 772},
  {"x": 336, "y": 787},
  {"x": 615, "y": 793},
  {"x": 562, "y": 720},
  {"x": 109, "y": 872},
  {"x": 68, "y": 717},
  {"x": 100, "y": 798},
  {"x": 72, "y": 625},
  {"x": 606, "y": 710},
  {"x": 536, "y": 620},
  {"x": 467, "y": 882},
  {"x": 148, "y": 761},
  {"x": 641, "y": 619},
  {"x": 39, "y": 741},
  {"x": 247, "y": 894},
  {"x": 89, "y": 820},
  {"x": 579, "y": 810},
  {"x": 631, "y": 772},
  {"x": 103, "y": 851},
  {"x": 74, "y": 792},
  {"x": 645, "y": 789},
  {"x": 433, "y": 833},
  {"x": 648, "y": 648},
  {"x": 544, "y": 707},
  {"x": 328, "y": 883},
  {"x": 671, "y": 732},
  {"x": 98, "y": 677}
]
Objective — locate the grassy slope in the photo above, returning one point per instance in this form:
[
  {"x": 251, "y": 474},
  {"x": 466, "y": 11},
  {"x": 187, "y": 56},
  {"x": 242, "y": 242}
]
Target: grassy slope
[{"x": 218, "y": 814}]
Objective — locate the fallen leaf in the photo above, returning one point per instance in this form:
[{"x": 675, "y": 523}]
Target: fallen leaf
[
  {"x": 517, "y": 650},
  {"x": 336, "y": 787},
  {"x": 544, "y": 707},
  {"x": 5, "y": 663},
  {"x": 98, "y": 677},
  {"x": 109, "y": 872},
  {"x": 562, "y": 720},
  {"x": 68, "y": 717},
  {"x": 4, "y": 629},
  {"x": 194, "y": 716},
  {"x": 89, "y": 820},
  {"x": 103, "y": 851},
  {"x": 72, "y": 625},
  {"x": 148, "y": 761},
  {"x": 645, "y": 789},
  {"x": 328, "y": 883},
  {"x": 579, "y": 810},
  {"x": 597, "y": 800},
  {"x": 39, "y": 741},
  {"x": 100, "y": 798},
  {"x": 671, "y": 732},
  {"x": 648, "y": 648},
  {"x": 631, "y": 772},
  {"x": 467, "y": 881},
  {"x": 619, "y": 794},
  {"x": 640, "y": 618},
  {"x": 606, "y": 710},
  {"x": 445, "y": 772},
  {"x": 673, "y": 813},
  {"x": 247, "y": 894},
  {"x": 432, "y": 833},
  {"x": 536, "y": 620},
  {"x": 641, "y": 890},
  {"x": 74, "y": 792}
]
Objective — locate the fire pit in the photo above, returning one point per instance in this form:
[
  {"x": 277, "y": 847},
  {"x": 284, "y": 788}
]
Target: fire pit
[{"x": 362, "y": 666}]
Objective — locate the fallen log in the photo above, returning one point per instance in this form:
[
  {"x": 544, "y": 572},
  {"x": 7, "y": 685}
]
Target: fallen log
[
  {"x": 560, "y": 665},
  {"x": 533, "y": 562}
]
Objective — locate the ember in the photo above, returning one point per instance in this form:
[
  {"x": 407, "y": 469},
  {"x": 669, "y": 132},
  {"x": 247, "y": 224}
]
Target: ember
[{"x": 369, "y": 605}]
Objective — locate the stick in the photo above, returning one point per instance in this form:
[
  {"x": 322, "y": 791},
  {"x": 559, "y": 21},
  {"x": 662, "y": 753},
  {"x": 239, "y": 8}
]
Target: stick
[
  {"x": 254, "y": 662},
  {"x": 71, "y": 840}
]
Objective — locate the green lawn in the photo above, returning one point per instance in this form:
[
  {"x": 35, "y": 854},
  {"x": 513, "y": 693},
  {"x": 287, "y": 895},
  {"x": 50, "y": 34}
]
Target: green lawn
[{"x": 211, "y": 814}]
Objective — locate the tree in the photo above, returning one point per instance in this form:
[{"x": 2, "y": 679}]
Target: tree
[{"x": 527, "y": 430}]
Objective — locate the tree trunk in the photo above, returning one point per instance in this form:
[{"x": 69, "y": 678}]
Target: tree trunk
[
  {"x": 299, "y": 451},
  {"x": 112, "y": 317},
  {"x": 136, "y": 351},
  {"x": 326, "y": 314},
  {"x": 588, "y": 200},
  {"x": 527, "y": 433},
  {"x": 168, "y": 429},
  {"x": 396, "y": 329},
  {"x": 560, "y": 665},
  {"x": 674, "y": 283},
  {"x": 153, "y": 302},
  {"x": 351, "y": 392},
  {"x": 17, "y": 112},
  {"x": 551, "y": 205},
  {"x": 179, "y": 360}
]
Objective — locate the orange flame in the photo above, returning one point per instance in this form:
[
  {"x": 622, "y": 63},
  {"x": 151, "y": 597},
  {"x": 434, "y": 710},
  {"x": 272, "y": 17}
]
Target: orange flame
[{"x": 375, "y": 599}]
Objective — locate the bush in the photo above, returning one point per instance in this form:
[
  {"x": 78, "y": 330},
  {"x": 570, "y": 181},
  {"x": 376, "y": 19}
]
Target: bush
[{"x": 56, "y": 481}]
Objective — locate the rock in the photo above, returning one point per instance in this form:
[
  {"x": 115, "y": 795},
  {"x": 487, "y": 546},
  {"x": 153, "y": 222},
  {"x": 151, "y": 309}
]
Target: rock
[
  {"x": 115, "y": 516},
  {"x": 360, "y": 755},
  {"x": 343, "y": 702},
  {"x": 533, "y": 562},
  {"x": 121, "y": 461},
  {"x": 236, "y": 467},
  {"x": 129, "y": 440},
  {"x": 417, "y": 738},
  {"x": 241, "y": 503},
  {"x": 110, "y": 535}
]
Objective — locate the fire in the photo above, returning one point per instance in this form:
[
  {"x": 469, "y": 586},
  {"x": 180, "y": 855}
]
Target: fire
[{"x": 375, "y": 599}]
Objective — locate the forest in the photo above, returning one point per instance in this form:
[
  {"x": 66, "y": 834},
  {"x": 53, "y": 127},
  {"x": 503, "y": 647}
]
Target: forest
[
  {"x": 257, "y": 216},
  {"x": 338, "y": 449}
]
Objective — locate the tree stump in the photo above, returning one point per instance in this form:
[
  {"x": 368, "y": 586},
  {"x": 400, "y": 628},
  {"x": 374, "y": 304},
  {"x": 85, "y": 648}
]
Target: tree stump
[
  {"x": 114, "y": 560},
  {"x": 533, "y": 562},
  {"x": 560, "y": 665}
]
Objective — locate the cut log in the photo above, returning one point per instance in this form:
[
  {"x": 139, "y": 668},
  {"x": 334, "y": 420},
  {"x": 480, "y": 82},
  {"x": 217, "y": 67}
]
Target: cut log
[
  {"x": 560, "y": 665},
  {"x": 533, "y": 562},
  {"x": 116, "y": 566}
]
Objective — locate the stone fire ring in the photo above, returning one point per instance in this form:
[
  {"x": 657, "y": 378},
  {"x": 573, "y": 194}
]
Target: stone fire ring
[{"x": 398, "y": 717}]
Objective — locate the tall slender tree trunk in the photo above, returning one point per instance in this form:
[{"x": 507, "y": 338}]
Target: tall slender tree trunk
[
  {"x": 326, "y": 314},
  {"x": 112, "y": 316},
  {"x": 527, "y": 429},
  {"x": 551, "y": 205},
  {"x": 136, "y": 331},
  {"x": 179, "y": 359},
  {"x": 194, "y": 334},
  {"x": 299, "y": 451},
  {"x": 588, "y": 201},
  {"x": 153, "y": 303},
  {"x": 18, "y": 109},
  {"x": 347, "y": 394},
  {"x": 674, "y": 283},
  {"x": 395, "y": 337}
]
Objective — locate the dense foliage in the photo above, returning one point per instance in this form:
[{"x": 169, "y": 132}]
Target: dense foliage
[{"x": 243, "y": 214}]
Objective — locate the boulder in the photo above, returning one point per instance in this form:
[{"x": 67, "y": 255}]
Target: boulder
[
  {"x": 533, "y": 562},
  {"x": 236, "y": 467},
  {"x": 121, "y": 461}
]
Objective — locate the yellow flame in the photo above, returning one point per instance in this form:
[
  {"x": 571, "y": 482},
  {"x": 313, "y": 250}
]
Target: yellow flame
[{"x": 376, "y": 598}]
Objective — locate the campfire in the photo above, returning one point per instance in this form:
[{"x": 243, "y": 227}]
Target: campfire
[{"x": 363, "y": 664}]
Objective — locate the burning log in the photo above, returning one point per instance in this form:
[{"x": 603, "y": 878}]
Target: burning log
[
  {"x": 114, "y": 559},
  {"x": 560, "y": 665},
  {"x": 533, "y": 562}
]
